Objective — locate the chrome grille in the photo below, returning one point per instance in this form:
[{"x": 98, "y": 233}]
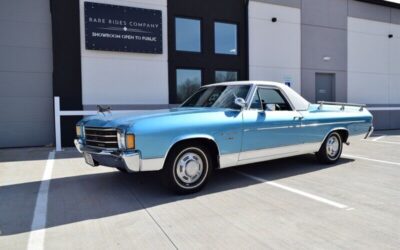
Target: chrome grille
[{"x": 104, "y": 138}]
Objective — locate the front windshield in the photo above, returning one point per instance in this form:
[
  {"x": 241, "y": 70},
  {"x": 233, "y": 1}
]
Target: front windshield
[{"x": 221, "y": 96}]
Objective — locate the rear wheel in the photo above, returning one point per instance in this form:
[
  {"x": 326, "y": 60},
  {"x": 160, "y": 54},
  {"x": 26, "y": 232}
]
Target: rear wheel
[
  {"x": 331, "y": 149},
  {"x": 187, "y": 168}
]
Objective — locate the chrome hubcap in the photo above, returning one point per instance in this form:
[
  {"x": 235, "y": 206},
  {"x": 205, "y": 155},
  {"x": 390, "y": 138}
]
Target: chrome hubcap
[
  {"x": 189, "y": 168},
  {"x": 332, "y": 147}
]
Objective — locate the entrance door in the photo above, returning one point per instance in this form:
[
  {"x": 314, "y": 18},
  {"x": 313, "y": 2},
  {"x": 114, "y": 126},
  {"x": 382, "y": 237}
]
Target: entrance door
[{"x": 324, "y": 85}]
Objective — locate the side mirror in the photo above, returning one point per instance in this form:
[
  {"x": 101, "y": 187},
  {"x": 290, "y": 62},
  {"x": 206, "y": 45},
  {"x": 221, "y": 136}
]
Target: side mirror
[{"x": 240, "y": 102}]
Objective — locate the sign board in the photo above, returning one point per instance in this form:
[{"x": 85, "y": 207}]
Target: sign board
[
  {"x": 119, "y": 28},
  {"x": 288, "y": 81}
]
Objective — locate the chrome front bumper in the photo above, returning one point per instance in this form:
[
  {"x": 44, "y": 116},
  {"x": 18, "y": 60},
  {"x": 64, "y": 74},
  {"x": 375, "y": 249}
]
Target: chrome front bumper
[{"x": 130, "y": 161}]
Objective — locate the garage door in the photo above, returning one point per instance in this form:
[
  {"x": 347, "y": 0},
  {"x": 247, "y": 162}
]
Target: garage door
[{"x": 26, "y": 113}]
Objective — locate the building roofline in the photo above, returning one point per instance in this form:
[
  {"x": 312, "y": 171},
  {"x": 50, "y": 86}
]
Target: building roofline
[{"x": 383, "y": 3}]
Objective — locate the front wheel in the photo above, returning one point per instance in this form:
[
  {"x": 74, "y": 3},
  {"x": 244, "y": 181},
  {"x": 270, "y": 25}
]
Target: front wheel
[
  {"x": 331, "y": 149},
  {"x": 187, "y": 168}
]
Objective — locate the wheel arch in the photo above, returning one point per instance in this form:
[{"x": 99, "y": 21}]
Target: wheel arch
[
  {"x": 208, "y": 139},
  {"x": 342, "y": 131}
]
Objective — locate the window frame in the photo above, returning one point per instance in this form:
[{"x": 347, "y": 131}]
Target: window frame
[
  {"x": 237, "y": 37},
  {"x": 200, "y": 30},
  {"x": 227, "y": 70},
  {"x": 274, "y": 88}
]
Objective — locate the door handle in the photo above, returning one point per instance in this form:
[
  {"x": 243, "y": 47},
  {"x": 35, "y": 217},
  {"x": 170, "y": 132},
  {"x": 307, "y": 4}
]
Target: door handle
[{"x": 298, "y": 117}]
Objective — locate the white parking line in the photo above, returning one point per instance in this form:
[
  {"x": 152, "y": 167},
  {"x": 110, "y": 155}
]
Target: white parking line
[
  {"x": 378, "y": 138},
  {"x": 36, "y": 236},
  {"x": 369, "y": 159},
  {"x": 296, "y": 191},
  {"x": 388, "y": 142}
]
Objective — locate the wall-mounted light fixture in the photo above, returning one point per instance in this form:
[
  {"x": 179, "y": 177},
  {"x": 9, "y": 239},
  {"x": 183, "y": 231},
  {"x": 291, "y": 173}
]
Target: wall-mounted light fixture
[
  {"x": 274, "y": 19},
  {"x": 326, "y": 58}
]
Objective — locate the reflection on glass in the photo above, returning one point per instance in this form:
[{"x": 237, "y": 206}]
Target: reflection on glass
[
  {"x": 187, "y": 82},
  {"x": 218, "y": 96},
  {"x": 187, "y": 34},
  {"x": 225, "y": 38},
  {"x": 225, "y": 76}
]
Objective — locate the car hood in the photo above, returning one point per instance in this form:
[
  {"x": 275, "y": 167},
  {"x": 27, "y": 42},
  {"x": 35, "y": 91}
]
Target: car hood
[{"x": 126, "y": 119}]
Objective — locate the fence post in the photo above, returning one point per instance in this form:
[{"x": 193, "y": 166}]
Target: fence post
[{"x": 57, "y": 122}]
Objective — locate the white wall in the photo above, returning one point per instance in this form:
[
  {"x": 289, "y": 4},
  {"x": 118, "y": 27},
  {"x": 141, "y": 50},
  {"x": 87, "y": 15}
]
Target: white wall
[
  {"x": 394, "y": 65},
  {"x": 125, "y": 77},
  {"x": 274, "y": 47},
  {"x": 373, "y": 62}
]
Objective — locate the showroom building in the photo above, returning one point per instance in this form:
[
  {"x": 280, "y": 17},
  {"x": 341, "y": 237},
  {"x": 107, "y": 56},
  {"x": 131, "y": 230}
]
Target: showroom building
[{"x": 152, "y": 54}]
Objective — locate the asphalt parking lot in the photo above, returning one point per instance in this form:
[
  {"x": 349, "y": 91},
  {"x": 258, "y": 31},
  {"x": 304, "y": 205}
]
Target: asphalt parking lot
[{"x": 290, "y": 203}]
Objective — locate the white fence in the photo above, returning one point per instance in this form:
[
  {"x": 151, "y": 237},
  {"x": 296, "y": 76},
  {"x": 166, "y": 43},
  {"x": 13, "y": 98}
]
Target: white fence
[{"x": 58, "y": 113}]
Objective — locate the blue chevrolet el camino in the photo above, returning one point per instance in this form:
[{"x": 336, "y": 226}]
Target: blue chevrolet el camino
[{"x": 221, "y": 125}]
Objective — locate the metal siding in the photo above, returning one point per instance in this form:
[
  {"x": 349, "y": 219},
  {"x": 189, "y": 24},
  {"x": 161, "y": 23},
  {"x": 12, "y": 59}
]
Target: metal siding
[
  {"x": 395, "y": 16},
  {"x": 25, "y": 84},
  {"x": 37, "y": 11},
  {"x": 369, "y": 11},
  {"x": 288, "y": 3},
  {"x": 25, "y": 34},
  {"x": 26, "y": 109},
  {"x": 381, "y": 119},
  {"x": 274, "y": 46},
  {"x": 394, "y": 117},
  {"x": 326, "y": 13},
  {"x": 23, "y": 134},
  {"x": 379, "y": 73},
  {"x": 318, "y": 42},
  {"x": 323, "y": 33},
  {"x": 25, "y": 74}
]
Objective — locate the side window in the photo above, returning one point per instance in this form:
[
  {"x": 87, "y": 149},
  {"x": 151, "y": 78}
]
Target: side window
[
  {"x": 270, "y": 100},
  {"x": 256, "y": 104}
]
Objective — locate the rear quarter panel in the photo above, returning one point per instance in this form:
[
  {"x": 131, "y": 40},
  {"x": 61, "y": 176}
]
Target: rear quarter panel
[{"x": 317, "y": 123}]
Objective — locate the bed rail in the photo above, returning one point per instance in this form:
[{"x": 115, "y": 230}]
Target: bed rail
[{"x": 343, "y": 104}]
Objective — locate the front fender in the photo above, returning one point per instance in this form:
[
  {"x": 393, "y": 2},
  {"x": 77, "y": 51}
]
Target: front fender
[{"x": 188, "y": 137}]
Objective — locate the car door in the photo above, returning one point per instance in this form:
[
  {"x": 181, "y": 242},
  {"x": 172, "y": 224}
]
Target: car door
[{"x": 271, "y": 126}]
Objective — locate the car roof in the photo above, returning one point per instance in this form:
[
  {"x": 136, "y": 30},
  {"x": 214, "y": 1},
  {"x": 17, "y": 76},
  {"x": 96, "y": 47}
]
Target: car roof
[{"x": 265, "y": 83}]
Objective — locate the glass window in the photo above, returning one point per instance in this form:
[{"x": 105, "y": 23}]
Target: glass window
[
  {"x": 225, "y": 76},
  {"x": 269, "y": 100},
  {"x": 187, "y": 34},
  {"x": 187, "y": 82},
  {"x": 225, "y": 38},
  {"x": 218, "y": 96}
]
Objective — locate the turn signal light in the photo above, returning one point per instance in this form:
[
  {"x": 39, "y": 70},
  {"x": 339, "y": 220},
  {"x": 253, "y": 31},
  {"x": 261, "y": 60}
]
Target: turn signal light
[
  {"x": 78, "y": 131},
  {"x": 130, "y": 141}
]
